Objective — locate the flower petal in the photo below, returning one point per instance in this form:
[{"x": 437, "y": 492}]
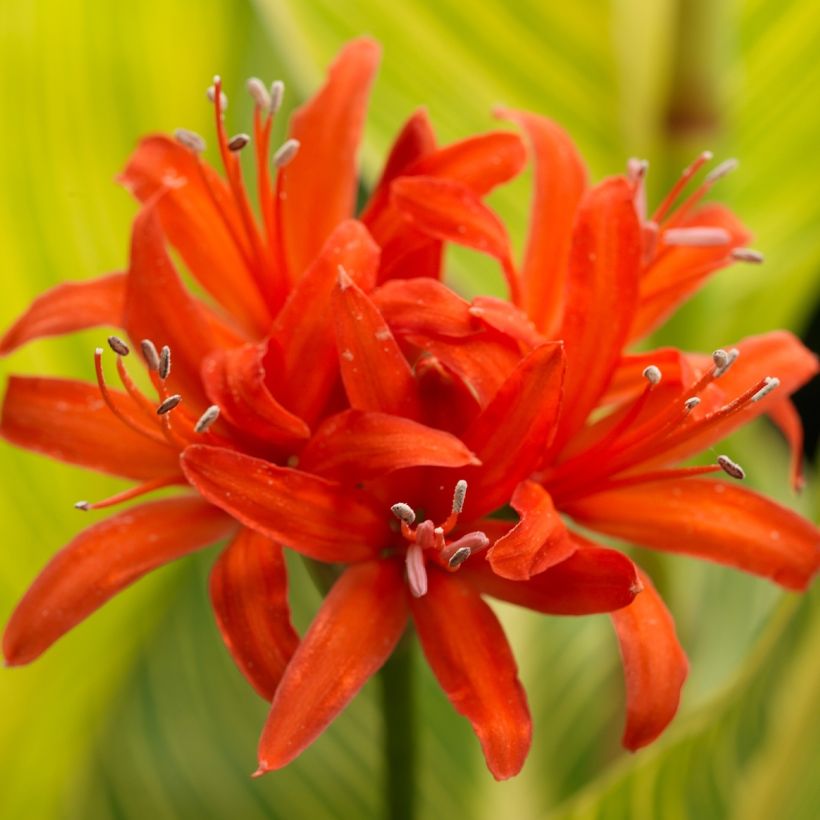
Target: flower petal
[
  {"x": 249, "y": 594},
  {"x": 468, "y": 652},
  {"x": 353, "y": 634},
  {"x": 101, "y": 561},
  {"x": 602, "y": 292},
  {"x": 538, "y": 541},
  {"x": 355, "y": 445},
  {"x": 310, "y": 365},
  {"x": 784, "y": 414},
  {"x": 314, "y": 516},
  {"x": 712, "y": 520},
  {"x": 375, "y": 373},
  {"x": 201, "y": 220},
  {"x": 318, "y": 189},
  {"x": 69, "y": 307},
  {"x": 235, "y": 380},
  {"x": 506, "y": 318},
  {"x": 591, "y": 580},
  {"x": 655, "y": 665},
  {"x": 560, "y": 181},
  {"x": 159, "y": 308},
  {"x": 69, "y": 421}
]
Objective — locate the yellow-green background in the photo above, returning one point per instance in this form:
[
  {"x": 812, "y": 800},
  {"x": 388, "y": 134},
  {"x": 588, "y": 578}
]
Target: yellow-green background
[{"x": 139, "y": 713}]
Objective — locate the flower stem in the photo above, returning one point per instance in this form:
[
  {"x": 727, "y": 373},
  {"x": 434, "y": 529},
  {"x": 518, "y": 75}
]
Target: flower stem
[{"x": 398, "y": 708}]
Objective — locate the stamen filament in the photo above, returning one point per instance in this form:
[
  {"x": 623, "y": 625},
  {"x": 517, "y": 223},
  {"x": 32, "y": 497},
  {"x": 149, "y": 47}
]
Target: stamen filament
[{"x": 130, "y": 493}]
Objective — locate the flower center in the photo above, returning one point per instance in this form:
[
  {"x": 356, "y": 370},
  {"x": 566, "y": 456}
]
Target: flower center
[{"x": 428, "y": 542}]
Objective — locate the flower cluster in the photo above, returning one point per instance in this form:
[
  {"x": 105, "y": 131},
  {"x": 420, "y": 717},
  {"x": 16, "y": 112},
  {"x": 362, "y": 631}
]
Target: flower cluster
[{"x": 329, "y": 395}]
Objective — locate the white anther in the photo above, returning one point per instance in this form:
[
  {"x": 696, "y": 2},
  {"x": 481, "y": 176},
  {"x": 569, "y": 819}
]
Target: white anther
[
  {"x": 118, "y": 346},
  {"x": 404, "y": 512},
  {"x": 416, "y": 571},
  {"x": 747, "y": 255},
  {"x": 724, "y": 360},
  {"x": 696, "y": 237},
  {"x": 636, "y": 168},
  {"x": 85, "y": 506},
  {"x": 731, "y": 468},
  {"x": 190, "y": 140},
  {"x": 691, "y": 404},
  {"x": 721, "y": 170},
  {"x": 169, "y": 404},
  {"x": 277, "y": 94},
  {"x": 459, "y": 557},
  {"x": 459, "y": 495},
  {"x": 149, "y": 353},
  {"x": 164, "y": 365},
  {"x": 238, "y": 142},
  {"x": 223, "y": 99},
  {"x": 652, "y": 374},
  {"x": 207, "y": 419},
  {"x": 772, "y": 383},
  {"x": 286, "y": 153},
  {"x": 256, "y": 88}
]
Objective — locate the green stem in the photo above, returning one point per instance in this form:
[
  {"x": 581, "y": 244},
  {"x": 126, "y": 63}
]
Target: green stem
[{"x": 398, "y": 708}]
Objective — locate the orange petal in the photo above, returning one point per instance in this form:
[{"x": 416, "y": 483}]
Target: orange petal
[
  {"x": 355, "y": 446},
  {"x": 560, "y": 181},
  {"x": 602, "y": 292},
  {"x": 353, "y": 634},
  {"x": 655, "y": 665},
  {"x": 101, "y": 561},
  {"x": 469, "y": 655},
  {"x": 784, "y": 414},
  {"x": 318, "y": 189},
  {"x": 314, "y": 516},
  {"x": 710, "y": 519},
  {"x": 235, "y": 380},
  {"x": 68, "y": 420},
  {"x": 628, "y": 381},
  {"x": 249, "y": 594},
  {"x": 375, "y": 373},
  {"x": 67, "y": 308},
  {"x": 311, "y": 367},
  {"x": 591, "y": 580},
  {"x": 157, "y": 307},
  {"x": 200, "y": 218},
  {"x": 538, "y": 541},
  {"x": 506, "y": 318}
]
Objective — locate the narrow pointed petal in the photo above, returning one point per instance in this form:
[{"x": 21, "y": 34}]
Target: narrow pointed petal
[
  {"x": 784, "y": 414},
  {"x": 680, "y": 271},
  {"x": 468, "y": 652},
  {"x": 375, "y": 373},
  {"x": 249, "y": 594},
  {"x": 353, "y": 634},
  {"x": 356, "y": 446},
  {"x": 101, "y": 561},
  {"x": 67, "y": 308},
  {"x": 602, "y": 292},
  {"x": 316, "y": 517},
  {"x": 538, "y": 541},
  {"x": 311, "y": 367},
  {"x": 506, "y": 318},
  {"x": 591, "y": 580},
  {"x": 560, "y": 181},
  {"x": 709, "y": 519},
  {"x": 318, "y": 189},
  {"x": 68, "y": 420},
  {"x": 235, "y": 381},
  {"x": 159, "y": 308},
  {"x": 512, "y": 434},
  {"x": 200, "y": 218},
  {"x": 655, "y": 665}
]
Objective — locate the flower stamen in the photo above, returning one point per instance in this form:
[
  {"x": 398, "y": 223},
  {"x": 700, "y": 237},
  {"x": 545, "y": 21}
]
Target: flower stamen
[{"x": 731, "y": 468}]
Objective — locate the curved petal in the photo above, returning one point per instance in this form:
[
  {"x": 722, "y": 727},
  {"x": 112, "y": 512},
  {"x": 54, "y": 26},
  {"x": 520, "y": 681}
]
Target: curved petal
[
  {"x": 69, "y": 307},
  {"x": 538, "y": 541},
  {"x": 560, "y": 181},
  {"x": 201, "y": 220},
  {"x": 506, "y": 318},
  {"x": 602, "y": 291},
  {"x": 655, "y": 665},
  {"x": 310, "y": 366},
  {"x": 469, "y": 655},
  {"x": 249, "y": 594},
  {"x": 318, "y": 189},
  {"x": 101, "y": 561},
  {"x": 353, "y": 634},
  {"x": 69, "y": 421},
  {"x": 314, "y": 516},
  {"x": 784, "y": 414},
  {"x": 709, "y": 519},
  {"x": 235, "y": 380},
  {"x": 355, "y": 446},
  {"x": 591, "y": 580}
]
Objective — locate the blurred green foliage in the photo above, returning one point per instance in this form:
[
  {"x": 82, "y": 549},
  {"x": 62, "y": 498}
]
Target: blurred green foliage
[{"x": 139, "y": 712}]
